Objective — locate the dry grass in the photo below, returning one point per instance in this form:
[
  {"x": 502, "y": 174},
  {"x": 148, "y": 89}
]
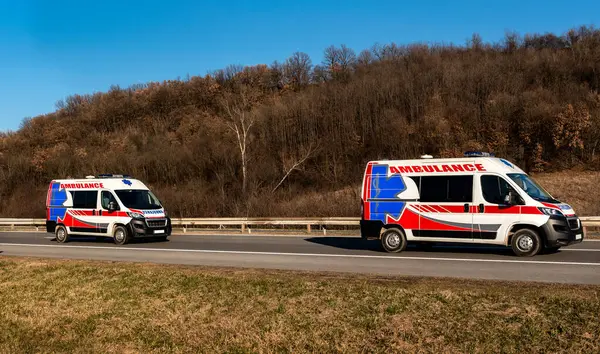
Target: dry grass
[
  {"x": 79, "y": 306},
  {"x": 579, "y": 189}
]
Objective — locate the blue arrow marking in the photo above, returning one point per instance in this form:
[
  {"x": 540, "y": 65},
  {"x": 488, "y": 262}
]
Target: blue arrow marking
[
  {"x": 57, "y": 199},
  {"x": 384, "y": 187},
  {"x": 507, "y": 163}
]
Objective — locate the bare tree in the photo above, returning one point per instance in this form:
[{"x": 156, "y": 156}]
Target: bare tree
[
  {"x": 297, "y": 69},
  {"x": 319, "y": 74},
  {"x": 291, "y": 164},
  {"x": 346, "y": 57},
  {"x": 339, "y": 61},
  {"x": 366, "y": 57},
  {"x": 240, "y": 121},
  {"x": 330, "y": 57}
]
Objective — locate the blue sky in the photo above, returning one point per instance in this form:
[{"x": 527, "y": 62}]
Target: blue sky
[{"x": 52, "y": 49}]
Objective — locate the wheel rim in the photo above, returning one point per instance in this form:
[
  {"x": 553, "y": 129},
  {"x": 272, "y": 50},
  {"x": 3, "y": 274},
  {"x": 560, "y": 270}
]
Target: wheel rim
[
  {"x": 119, "y": 235},
  {"x": 525, "y": 243},
  {"x": 393, "y": 240},
  {"x": 60, "y": 234}
]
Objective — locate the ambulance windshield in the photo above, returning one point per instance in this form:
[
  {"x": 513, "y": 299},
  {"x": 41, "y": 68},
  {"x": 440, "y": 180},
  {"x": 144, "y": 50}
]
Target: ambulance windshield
[
  {"x": 529, "y": 186},
  {"x": 138, "y": 199}
]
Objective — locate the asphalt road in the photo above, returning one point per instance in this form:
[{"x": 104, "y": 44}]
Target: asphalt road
[{"x": 575, "y": 264}]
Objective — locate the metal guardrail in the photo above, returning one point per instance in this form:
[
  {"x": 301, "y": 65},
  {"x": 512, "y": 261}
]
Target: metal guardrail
[
  {"x": 244, "y": 223},
  {"x": 220, "y": 223}
]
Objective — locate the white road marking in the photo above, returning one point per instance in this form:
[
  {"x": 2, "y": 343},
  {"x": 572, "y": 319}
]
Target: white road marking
[
  {"x": 116, "y": 248},
  {"x": 579, "y": 250},
  {"x": 456, "y": 247}
]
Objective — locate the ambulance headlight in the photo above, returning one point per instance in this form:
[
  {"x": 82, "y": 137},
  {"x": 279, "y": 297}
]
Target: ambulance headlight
[
  {"x": 550, "y": 211},
  {"x": 135, "y": 215}
]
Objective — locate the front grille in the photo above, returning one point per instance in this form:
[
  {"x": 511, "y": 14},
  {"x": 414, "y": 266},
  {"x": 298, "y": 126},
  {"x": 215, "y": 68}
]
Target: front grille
[
  {"x": 573, "y": 223},
  {"x": 156, "y": 222}
]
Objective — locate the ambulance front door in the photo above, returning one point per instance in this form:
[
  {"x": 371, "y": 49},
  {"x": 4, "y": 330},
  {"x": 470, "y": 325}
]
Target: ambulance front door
[{"x": 492, "y": 213}]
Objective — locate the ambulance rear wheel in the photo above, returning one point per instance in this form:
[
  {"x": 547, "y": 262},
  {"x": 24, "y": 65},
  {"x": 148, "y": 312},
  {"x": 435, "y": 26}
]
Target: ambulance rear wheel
[
  {"x": 121, "y": 235},
  {"x": 61, "y": 234},
  {"x": 393, "y": 240},
  {"x": 526, "y": 243}
]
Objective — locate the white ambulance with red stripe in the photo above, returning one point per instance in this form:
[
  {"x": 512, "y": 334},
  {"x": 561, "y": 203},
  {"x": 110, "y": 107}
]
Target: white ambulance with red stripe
[
  {"x": 107, "y": 205},
  {"x": 477, "y": 199}
]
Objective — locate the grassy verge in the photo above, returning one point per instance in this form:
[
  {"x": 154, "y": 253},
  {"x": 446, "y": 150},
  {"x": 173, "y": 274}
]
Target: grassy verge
[{"x": 79, "y": 306}]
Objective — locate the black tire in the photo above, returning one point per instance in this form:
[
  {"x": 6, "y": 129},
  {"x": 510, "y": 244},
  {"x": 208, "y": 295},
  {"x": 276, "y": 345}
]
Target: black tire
[
  {"x": 61, "y": 234},
  {"x": 526, "y": 243},
  {"x": 393, "y": 240},
  {"x": 121, "y": 235}
]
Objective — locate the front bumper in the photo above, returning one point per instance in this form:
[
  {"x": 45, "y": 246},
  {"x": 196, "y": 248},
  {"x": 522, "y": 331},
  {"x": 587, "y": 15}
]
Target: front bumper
[
  {"x": 150, "y": 227},
  {"x": 562, "y": 231}
]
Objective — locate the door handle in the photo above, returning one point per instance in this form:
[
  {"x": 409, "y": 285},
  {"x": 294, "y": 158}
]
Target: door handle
[
  {"x": 481, "y": 208},
  {"x": 466, "y": 208}
]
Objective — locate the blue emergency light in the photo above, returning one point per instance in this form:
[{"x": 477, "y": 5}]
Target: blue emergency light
[
  {"x": 478, "y": 154},
  {"x": 110, "y": 175}
]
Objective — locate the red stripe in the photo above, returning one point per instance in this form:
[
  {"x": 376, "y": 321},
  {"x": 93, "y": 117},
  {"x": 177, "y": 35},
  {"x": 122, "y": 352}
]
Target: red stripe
[
  {"x": 493, "y": 209},
  {"x": 410, "y": 220},
  {"x": 367, "y": 193},
  {"x": 531, "y": 210},
  {"x": 416, "y": 206},
  {"x": 428, "y": 209}
]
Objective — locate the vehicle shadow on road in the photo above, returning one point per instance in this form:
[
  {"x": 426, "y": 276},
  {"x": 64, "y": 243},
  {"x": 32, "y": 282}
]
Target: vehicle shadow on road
[
  {"x": 109, "y": 241},
  {"x": 347, "y": 243},
  {"x": 355, "y": 243}
]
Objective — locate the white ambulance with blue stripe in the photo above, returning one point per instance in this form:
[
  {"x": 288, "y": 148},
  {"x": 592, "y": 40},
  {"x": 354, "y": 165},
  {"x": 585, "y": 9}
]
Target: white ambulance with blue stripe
[
  {"x": 107, "y": 205},
  {"x": 477, "y": 199}
]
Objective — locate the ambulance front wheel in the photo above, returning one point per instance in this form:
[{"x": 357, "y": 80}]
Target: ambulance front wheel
[
  {"x": 61, "y": 234},
  {"x": 120, "y": 235},
  {"x": 393, "y": 240},
  {"x": 526, "y": 243}
]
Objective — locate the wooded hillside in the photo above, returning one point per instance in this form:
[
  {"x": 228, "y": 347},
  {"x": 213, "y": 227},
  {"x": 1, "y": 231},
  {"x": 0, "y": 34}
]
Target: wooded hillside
[{"x": 293, "y": 138}]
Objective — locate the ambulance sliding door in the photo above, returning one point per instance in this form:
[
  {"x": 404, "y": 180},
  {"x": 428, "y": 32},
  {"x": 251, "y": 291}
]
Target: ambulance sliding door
[{"x": 444, "y": 206}]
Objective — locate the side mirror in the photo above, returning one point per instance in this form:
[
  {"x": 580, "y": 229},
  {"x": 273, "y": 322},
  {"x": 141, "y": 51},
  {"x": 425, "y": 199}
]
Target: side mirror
[{"x": 112, "y": 206}]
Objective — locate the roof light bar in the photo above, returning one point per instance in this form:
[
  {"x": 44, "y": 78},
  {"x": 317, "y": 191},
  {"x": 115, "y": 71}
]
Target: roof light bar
[
  {"x": 478, "y": 154},
  {"x": 110, "y": 175}
]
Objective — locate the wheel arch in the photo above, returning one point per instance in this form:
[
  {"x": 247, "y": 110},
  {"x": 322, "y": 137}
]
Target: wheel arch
[
  {"x": 520, "y": 226},
  {"x": 391, "y": 226}
]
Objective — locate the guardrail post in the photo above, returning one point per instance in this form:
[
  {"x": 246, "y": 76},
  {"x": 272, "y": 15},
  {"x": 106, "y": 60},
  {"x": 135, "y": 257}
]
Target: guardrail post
[
  {"x": 12, "y": 226},
  {"x": 243, "y": 227},
  {"x": 308, "y": 228}
]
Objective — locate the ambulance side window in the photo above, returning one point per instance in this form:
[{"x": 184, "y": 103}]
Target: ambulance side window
[
  {"x": 85, "y": 199},
  {"x": 445, "y": 189},
  {"x": 494, "y": 189},
  {"x": 107, "y": 197}
]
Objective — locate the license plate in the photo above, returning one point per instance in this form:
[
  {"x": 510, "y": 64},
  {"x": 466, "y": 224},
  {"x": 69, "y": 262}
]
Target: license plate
[
  {"x": 578, "y": 237},
  {"x": 159, "y": 231}
]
